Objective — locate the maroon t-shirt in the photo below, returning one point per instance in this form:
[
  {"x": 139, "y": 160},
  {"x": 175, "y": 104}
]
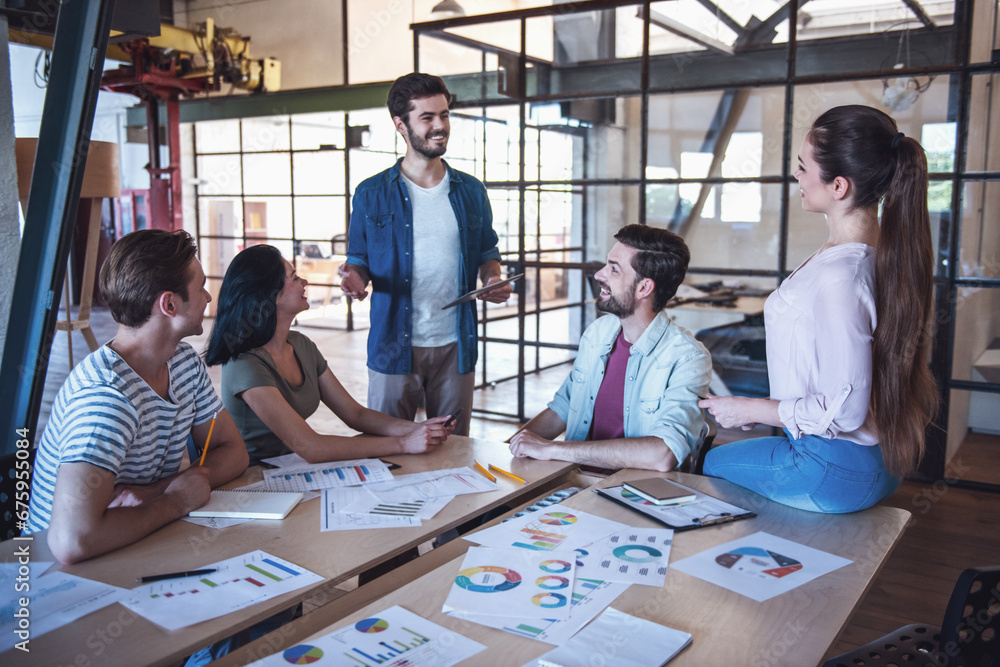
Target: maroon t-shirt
[{"x": 609, "y": 407}]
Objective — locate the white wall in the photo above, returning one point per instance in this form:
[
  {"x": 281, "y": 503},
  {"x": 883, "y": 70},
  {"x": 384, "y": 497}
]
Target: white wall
[{"x": 109, "y": 116}]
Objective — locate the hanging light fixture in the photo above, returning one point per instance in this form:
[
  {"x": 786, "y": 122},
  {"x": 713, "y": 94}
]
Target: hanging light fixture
[
  {"x": 446, "y": 9},
  {"x": 900, "y": 92}
]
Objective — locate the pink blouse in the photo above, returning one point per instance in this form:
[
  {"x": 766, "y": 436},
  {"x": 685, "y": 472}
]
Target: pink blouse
[{"x": 819, "y": 324}]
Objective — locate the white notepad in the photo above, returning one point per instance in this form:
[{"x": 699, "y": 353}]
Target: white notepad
[{"x": 250, "y": 504}]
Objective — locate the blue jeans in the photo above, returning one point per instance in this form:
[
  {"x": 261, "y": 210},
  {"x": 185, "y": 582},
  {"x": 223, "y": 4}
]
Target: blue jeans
[{"x": 811, "y": 473}]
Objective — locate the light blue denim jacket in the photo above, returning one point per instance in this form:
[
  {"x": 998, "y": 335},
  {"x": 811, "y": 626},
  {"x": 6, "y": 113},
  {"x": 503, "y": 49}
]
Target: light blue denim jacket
[{"x": 666, "y": 373}]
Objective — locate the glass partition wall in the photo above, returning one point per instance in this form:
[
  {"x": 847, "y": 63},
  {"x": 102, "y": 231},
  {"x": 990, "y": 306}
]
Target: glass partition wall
[{"x": 686, "y": 114}]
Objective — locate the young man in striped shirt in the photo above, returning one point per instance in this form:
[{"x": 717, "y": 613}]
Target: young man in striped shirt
[{"x": 107, "y": 470}]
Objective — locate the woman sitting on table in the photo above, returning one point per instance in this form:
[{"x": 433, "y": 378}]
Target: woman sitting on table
[
  {"x": 848, "y": 333},
  {"x": 274, "y": 378}
]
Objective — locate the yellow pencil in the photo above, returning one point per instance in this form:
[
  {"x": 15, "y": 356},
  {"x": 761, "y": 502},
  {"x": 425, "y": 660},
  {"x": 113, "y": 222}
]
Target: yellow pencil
[
  {"x": 507, "y": 474},
  {"x": 208, "y": 439},
  {"x": 485, "y": 472}
]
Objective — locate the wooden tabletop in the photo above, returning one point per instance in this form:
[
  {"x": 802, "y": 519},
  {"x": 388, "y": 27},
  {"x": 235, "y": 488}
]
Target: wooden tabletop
[
  {"x": 794, "y": 628},
  {"x": 118, "y": 636}
]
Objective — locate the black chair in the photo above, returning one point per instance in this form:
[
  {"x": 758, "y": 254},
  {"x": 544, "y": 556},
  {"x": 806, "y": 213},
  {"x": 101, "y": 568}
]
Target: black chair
[{"x": 967, "y": 636}]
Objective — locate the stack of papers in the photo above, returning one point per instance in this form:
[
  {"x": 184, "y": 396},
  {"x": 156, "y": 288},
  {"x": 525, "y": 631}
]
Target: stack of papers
[
  {"x": 557, "y": 550},
  {"x": 535, "y": 594},
  {"x": 555, "y": 527},
  {"x": 406, "y": 500}
]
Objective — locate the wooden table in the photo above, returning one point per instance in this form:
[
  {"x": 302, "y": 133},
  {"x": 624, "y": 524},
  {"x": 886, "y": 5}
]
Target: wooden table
[
  {"x": 115, "y": 635},
  {"x": 794, "y": 628}
]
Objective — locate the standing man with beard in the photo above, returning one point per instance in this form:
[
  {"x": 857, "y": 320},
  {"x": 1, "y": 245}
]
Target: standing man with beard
[
  {"x": 420, "y": 234},
  {"x": 631, "y": 400}
]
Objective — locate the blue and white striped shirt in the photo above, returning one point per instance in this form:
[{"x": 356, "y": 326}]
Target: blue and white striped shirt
[{"x": 106, "y": 415}]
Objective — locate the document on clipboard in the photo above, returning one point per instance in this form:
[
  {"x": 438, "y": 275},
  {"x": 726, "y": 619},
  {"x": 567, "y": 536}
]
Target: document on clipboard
[
  {"x": 482, "y": 290},
  {"x": 703, "y": 511}
]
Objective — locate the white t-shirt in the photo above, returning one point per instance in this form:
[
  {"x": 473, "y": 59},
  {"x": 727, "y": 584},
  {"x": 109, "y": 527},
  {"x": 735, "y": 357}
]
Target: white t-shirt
[{"x": 436, "y": 265}]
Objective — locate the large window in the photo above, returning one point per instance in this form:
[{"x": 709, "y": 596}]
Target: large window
[
  {"x": 689, "y": 115},
  {"x": 682, "y": 114}
]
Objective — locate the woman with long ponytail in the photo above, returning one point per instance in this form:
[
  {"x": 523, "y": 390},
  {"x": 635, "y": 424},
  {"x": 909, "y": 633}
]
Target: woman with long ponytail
[{"x": 848, "y": 333}]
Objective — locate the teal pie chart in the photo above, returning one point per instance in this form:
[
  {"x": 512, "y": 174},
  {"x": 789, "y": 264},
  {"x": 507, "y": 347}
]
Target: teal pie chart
[
  {"x": 487, "y": 579},
  {"x": 555, "y": 566},
  {"x": 627, "y": 553}
]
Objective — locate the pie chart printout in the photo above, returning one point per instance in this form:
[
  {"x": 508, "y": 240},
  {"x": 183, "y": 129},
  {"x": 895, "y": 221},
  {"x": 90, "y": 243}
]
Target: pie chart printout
[
  {"x": 303, "y": 654},
  {"x": 370, "y": 625},
  {"x": 487, "y": 579},
  {"x": 758, "y": 562}
]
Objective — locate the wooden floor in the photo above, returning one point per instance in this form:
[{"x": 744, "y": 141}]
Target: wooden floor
[
  {"x": 952, "y": 528},
  {"x": 977, "y": 459}
]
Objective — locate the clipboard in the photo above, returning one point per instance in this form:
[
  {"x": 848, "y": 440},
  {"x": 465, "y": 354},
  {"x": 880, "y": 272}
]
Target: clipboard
[
  {"x": 482, "y": 290},
  {"x": 703, "y": 511}
]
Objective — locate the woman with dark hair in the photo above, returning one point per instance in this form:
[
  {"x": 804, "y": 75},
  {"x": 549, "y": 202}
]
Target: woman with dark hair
[
  {"x": 274, "y": 378},
  {"x": 848, "y": 332}
]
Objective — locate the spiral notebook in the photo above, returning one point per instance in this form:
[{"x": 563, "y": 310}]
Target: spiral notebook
[{"x": 249, "y": 504}]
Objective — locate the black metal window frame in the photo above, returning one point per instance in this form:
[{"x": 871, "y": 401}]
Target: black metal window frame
[{"x": 960, "y": 69}]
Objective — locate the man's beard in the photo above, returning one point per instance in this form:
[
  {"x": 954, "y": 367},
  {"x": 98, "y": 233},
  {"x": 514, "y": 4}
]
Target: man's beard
[
  {"x": 423, "y": 147},
  {"x": 614, "y": 306}
]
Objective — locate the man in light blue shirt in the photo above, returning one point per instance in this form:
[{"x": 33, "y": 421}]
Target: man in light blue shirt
[{"x": 631, "y": 400}]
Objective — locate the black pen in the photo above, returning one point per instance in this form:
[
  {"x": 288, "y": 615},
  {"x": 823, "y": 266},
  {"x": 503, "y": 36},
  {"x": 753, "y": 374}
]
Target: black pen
[{"x": 175, "y": 575}]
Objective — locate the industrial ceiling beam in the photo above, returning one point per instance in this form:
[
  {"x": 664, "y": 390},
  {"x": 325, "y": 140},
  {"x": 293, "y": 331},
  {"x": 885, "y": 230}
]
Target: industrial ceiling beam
[
  {"x": 688, "y": 33},
  {"x": 758, "y": 65},
  {"x": 919, "y": 12}
]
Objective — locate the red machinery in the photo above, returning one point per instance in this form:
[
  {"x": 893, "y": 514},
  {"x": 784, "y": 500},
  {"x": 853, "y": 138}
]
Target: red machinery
[{"x": 177, "y": 63}]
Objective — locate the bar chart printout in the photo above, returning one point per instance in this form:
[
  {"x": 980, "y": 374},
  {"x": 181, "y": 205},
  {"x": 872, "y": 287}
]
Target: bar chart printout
[
  {"x": 326, "y": 475},
  {"x": 237, "y": 583},
  {"x": 392, "y": 638}
]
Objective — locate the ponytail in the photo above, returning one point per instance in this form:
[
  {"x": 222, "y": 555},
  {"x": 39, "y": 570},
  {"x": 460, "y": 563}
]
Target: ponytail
[
  {"x": 865, "y": 146},
  {"x": 904, "y": 397}
]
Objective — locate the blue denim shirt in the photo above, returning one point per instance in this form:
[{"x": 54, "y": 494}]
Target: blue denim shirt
[
  {"x": 666, "y": 373},
  {"x": 380, "y": 239}
]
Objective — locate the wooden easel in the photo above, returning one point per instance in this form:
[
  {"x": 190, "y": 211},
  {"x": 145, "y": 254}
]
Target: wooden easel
[{"x": 100, "y": 179}]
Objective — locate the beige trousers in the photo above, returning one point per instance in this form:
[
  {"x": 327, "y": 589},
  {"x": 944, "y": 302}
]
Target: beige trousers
[{"x": 435, "y": 378}]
